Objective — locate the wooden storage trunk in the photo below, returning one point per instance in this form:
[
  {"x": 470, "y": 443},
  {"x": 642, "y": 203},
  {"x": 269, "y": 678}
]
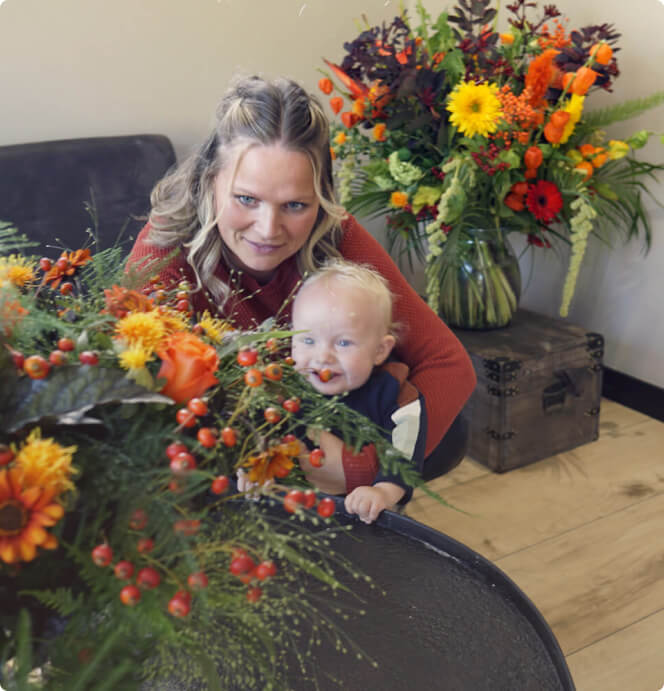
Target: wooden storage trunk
[{"x": 538, "y": 392}]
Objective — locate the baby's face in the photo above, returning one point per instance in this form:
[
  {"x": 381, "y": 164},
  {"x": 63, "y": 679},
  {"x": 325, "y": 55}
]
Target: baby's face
[{"x": 342, "y": 335}]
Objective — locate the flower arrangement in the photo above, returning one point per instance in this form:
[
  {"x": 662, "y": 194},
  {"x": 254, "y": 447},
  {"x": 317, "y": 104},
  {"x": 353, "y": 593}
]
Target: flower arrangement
[
  {"x": 446, "y": 125},
  {"x": 125, "y": 553}
]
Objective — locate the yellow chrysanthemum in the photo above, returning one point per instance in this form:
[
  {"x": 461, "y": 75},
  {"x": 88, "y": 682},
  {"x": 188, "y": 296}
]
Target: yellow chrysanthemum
[
  {"x": 214, "y": 328},
  {"x": 145, "y": 329},
  {"x": 475, "y": 108},
  {"x": 26, "y": 509},
  {"x": 134, "y": 357},
  {"x": 16, "y": 270},
  {"x": 398, "y": 199},
  {"x": 172, "y": 320},
  {"x": 340, "y": 138},
  {"x": 46, "y": 464}
]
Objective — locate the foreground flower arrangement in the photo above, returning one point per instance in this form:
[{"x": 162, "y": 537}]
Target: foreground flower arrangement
[
  {"x": 125, "y": 553},
  {"x": 447, "y": 125}
]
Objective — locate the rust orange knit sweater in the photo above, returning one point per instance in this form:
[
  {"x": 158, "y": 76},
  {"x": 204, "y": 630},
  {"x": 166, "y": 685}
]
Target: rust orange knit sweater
[{"x": 440, "y": 368}]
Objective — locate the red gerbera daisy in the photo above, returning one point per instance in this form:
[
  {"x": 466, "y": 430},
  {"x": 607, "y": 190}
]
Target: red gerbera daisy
[{"x": 544, "y": 200}]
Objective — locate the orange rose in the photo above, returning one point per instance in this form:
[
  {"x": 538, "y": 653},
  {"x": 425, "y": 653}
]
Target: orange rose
[{"x": 188, "y": 365}]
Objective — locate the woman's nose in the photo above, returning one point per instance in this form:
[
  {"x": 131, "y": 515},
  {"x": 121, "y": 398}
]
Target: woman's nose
[{"x": 269, "y": 222}]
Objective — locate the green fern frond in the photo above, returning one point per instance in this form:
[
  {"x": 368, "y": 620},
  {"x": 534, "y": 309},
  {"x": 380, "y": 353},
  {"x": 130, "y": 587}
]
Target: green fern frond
[
  {"x": 11, "y": 240},
  {"x": 61, "y": 600},
  {"x": 603, "y": 117}
]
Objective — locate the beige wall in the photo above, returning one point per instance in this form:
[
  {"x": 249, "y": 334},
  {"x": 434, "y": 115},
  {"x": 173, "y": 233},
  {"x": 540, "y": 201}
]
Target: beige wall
[{"x": 74, "y": 68}]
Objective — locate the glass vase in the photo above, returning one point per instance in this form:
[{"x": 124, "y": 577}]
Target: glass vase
[{"x": 480, "y": 280}]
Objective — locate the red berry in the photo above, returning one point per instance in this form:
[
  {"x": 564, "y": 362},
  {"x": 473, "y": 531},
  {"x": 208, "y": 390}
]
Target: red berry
[
  {"x": 197, "y": 406},
  {"x": 265, "y": 569},
  {"x": 138, "y": 519},
  {"x": 273, "y": 371},
  {"x": 36, "y": 367},
  {"x": 196, "y": 581},
  {"x": 66, "y": 344},
  {"x": 183, "y": 463},
  {"x": 62, "y": 264},
  {"x": 272, "y": 344},
  {"x": 289, "y": 361},
  {"x": 185, "y": 417},
  {"x": 241, "y": 564},
  {"x": 88, "y": 357},
  {"x": 66, "y": 288},
  {"x": 148, "y": 578},
  {"x": 316, "y": 458},
  {"x": 175, "y": 485},
  {"x": 183, "y": 595},
  {"x": 45, "y": 264},
  {"x": 207, "y": 437},
  {"x": 253, "y": 377},
  {"x": 219, "y": 484},
  {"x": 102, "y": 555},
  {"x": 145, "y": 544},
  {"x": 124, "y": 570},
  {"x": 326, "y": 507},
  {"x": 179, "y": 607},
  {"x": 293, "y": 499},
  {"x": 6, "y": 455},
  {"x": 228, "y": 436},
  {"x": 187, "y": 526},
  {"x": 325, "y": 375},
  {"x": 292, "y": 405},
  {"x": 272, "y": 415},
  {"x": 57, "y": 358},
  {"x": 172, "y": 450},
  {"x": 254, "y": 594},
  {"x": 247, "y": 357},
  {"x": 310, "y": 498},
  {"x": 18, "y": 358},
  {"x": 182, "y": 305},
  {"x": 130, "y": 595}
]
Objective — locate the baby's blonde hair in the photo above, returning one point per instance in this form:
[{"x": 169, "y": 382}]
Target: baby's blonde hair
[{"x": 361, "y": 276}]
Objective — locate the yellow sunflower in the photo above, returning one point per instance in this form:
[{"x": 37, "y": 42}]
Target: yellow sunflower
[
  {"x": 475, "y": 108},
  {"x": 25, "y": 511},
  {"x": 44, "y": 463},
  {"x": 17, "y": 270}
]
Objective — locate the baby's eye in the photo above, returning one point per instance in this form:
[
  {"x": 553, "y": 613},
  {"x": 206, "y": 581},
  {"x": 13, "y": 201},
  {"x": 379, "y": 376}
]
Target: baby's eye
[
  {"x": 344, "y": 342},
  {"x": 245, "y": 199},
  {"x": 307, "y": 340}
]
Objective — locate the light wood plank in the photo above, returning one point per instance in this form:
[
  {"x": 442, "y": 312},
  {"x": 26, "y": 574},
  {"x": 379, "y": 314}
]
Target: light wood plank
[
  {"x": 629, "y": 659},
  {"x": 523, "y": 507},
  {"x": 597, "y": 579}
]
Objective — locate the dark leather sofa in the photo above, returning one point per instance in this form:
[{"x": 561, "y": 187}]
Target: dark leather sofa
[{"x": 48, "y": 189}]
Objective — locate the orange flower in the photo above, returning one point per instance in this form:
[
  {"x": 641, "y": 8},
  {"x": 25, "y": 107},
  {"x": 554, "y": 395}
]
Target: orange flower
[
  {"x": 277, "y": 462},
  {"x": 379, "y": 132},
  {"x": 333, "y": 154},
  {"x": 325, "y": 85},
  {"x": 358, "y": 107},
  {"x": 25, "y": 512},
  {"x": 540, "y": 74},
  {"x": 586, "y": 168},
  {"x": 356, "y": 90},
  {"x": 514, "y": 202},
  {"x": 398, "y": 199},
  {"x": 349, "y": 119},
  {"x": 120, "y": 301},
  {"x": 188, "y": 365},
  {"x": 74, "y": 260},
  {"x": 507, "y": 39},
  {"x": 601, "y": 53},
  {"x": 580, "y": 81},
  {"x": 533, "y": 157},
  {"x": 336, "y": 103}
]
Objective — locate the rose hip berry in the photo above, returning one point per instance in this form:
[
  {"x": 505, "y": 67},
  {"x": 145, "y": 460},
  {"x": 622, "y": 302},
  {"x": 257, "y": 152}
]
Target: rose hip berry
[
  {"x": 316, "y": 458},
  {"x": 207, "y": 437},
  {"x": 326, "y": 507},
  {"x": 130, "y": 595},
  {"x": 36, "y": 367},
  {"x": 172, "y": 450},
  {"x": 293, "y": 499},
  {"x": 228, "y": 436},
  {"x": 66, "y": 344},
  {"x": 102, "y": 555},
  {"x": 198, "y": 406},
  {"x": 148, "y": 578},
  {"x": 185, "y": 418},
  {"x": 247, "y": 357},
  {"x": 88, "y": 357},
  {"x": 219, "y": 484},
  {"x": 197, "y": 581},
  {"x": 124, "y": 570}
]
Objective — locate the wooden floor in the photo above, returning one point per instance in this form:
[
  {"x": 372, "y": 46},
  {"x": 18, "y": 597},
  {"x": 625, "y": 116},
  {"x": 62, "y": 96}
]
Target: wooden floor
[{"x": 582, "y": 534}]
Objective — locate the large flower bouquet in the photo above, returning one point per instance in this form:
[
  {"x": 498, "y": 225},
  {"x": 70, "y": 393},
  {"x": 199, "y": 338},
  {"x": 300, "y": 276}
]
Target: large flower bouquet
[
  {"x": 447, "y": 125},
  {"x": 126, "y": 554}
]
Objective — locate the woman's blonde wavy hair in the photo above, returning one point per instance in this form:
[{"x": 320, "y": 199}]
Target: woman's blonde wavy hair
[{"x": 253, "y": 112}]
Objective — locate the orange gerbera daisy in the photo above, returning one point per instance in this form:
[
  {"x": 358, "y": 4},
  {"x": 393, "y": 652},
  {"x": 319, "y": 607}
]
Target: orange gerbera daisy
[
  {"x": 120, "y": 301},
  {"x": 73, "y": 260},
  {"x": 277, "y": 462},
  {"x": 25, "y": 511}
]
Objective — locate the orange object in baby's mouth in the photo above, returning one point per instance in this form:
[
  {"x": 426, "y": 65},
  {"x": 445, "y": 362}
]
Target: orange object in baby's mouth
[{"x": 325, "y": 375}]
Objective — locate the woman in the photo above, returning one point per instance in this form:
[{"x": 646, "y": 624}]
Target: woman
[{"x": 248, "y": 215}]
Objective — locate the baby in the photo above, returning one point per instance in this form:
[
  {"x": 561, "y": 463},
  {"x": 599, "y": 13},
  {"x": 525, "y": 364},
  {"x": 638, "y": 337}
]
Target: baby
[{"x": 342, "y": 316}]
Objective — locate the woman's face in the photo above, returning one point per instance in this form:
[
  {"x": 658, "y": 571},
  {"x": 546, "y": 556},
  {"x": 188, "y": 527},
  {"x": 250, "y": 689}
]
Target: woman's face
[{"x": 269, "y": 210}]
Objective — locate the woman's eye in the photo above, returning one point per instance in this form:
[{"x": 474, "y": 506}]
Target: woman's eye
[
  {"x": 295, "y": 206},
  {"x": 245, "y": 199}
]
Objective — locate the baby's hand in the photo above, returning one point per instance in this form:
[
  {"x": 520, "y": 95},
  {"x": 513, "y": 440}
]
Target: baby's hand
[{"x": 368, "y": 502}]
